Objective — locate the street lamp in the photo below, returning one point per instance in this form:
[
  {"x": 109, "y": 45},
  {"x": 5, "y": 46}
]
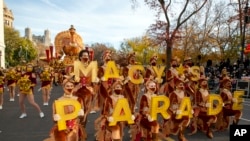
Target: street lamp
[
  {"x": 0, "y": 58},
  {"x": 246, "y": 20}
]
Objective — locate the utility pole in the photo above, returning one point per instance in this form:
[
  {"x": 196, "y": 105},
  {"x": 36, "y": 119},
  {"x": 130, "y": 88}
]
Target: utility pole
[{"x": 246, "y": 20}]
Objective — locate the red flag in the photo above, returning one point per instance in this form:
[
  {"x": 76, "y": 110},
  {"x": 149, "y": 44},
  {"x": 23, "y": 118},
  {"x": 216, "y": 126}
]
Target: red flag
[
  {"x": 51, "y": 51},
  {"x": 47, "y": 55}
]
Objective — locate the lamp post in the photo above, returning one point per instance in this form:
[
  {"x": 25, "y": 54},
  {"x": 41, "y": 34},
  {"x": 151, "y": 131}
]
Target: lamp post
[
  {"x": 0, "y": 58},
  {"x": 144, "y": 57},
  {"x": 246, "y": 20}
]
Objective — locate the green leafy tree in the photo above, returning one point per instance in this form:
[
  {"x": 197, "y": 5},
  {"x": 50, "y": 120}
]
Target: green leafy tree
[{"x": 18, "y": 49}]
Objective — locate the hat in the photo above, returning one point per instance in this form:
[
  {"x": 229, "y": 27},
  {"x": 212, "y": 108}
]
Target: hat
[
  {"x": 154, "y": 57},
  {"x": 174, "y": 58},
  {"x": 130, "y": 55},
  {"x": 68, "y": 78},
  {"x": 187, "y": 58},
  {"x": 149, "y": 81},
  {"x": 177, "y": 81},
  {"x": 72, "y": 27},
  {"x": 202, "y": 79},
  {"x": 117, "y": 82}
]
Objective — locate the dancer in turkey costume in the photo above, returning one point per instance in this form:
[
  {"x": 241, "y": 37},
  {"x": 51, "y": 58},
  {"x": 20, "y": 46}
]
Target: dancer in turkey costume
[{"x": 74, "y": 130}]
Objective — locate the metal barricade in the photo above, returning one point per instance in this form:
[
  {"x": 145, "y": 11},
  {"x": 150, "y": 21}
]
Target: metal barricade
[{"x": 243, "y": 85}]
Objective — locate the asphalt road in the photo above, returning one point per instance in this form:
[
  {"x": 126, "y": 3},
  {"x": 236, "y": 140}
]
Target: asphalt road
[{"x": 33, "y": 128}]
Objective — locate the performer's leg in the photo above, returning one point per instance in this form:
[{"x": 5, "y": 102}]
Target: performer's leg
[
  {"x": 31, "y": 100},
  {"x": 21, "y": 102},
  {"x": 237, "y": 117},
  {"x": 116, "y": 132},
  {"x": 1, "y": 101},
  {"x": 12, "y": 93}
]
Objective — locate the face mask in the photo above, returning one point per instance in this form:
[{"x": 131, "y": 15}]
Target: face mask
[
  {"x": 152, "y": 89},
  {"x": 190, "y": 64},
  {"x": 174, "y": 66},
  {"x": 69, "y": 90},
  {"x": 29, "y": 69},
  {"x": 85, "y": 59},
  {"x": 118, "y": 91},
  {"x": 204, "y": 85},
  {"x": 153, "y": 64},
  {"x": 181, "y": 87},
  {"x": 68, "y": 87}
]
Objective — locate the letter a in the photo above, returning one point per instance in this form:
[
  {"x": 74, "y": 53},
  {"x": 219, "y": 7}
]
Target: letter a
[
  {"x": 121, "y": 107},
  {"x": 237, "y": 132}
]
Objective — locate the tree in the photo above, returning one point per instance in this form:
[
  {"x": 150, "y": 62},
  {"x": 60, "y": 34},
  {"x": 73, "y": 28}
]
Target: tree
[
  {"x": 144, "y": 47},
  {"x": 99, "y": 48},
  {"x": 17, "y": 48},
  {"x": 164, "y": 31}
]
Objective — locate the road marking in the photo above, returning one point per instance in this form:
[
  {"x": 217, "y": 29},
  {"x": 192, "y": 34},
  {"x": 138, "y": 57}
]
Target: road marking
[
  {"x": 245, "y": 119},
  {"x": 246, "y": 104}
]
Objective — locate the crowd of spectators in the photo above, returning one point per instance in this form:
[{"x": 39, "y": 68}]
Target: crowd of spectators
[{"x": 236, "y": 70}]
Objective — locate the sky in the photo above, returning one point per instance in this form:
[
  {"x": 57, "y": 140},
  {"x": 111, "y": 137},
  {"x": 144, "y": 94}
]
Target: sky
[{"x": 96, "y": 21}]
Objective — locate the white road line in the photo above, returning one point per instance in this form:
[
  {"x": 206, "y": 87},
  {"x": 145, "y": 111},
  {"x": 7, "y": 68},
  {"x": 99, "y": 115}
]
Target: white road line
[
  {"x": 246, "y": 104},
  {"x": 245, "y": 119}
]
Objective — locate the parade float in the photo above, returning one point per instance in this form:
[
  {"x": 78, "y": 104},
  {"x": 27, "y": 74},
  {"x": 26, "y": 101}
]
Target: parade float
[{"x": 67, "y": 45}]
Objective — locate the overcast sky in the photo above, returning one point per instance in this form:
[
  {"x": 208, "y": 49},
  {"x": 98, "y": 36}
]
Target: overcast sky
[{"x": 102, "y": 21}]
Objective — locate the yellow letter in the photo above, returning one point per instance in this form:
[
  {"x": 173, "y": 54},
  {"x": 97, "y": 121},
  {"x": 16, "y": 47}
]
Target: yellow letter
[
  {"x": 131, "y": 71},
  {"x": 238, "y": 104},
  {"x": 159, "y": 73},
  {"x": 185, "y": 108},
  {"x": 111, "y": 71},
  {"x": 211, "y": 110},
  {"x": 155, "y": 109},
  {"x": 59, "y": 107},
  {"x": 80, "y": 68},
  {"x": 121, "y": 112},
  {"x": 195, "y": 71}
]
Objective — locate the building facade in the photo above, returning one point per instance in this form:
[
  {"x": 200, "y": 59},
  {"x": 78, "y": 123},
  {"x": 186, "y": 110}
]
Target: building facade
[
  {"x": 8, "y": 17},
  {"x": 2, "y": 44}
]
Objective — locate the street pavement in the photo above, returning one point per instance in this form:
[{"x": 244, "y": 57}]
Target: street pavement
[{"x": 34, "y": 128}]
